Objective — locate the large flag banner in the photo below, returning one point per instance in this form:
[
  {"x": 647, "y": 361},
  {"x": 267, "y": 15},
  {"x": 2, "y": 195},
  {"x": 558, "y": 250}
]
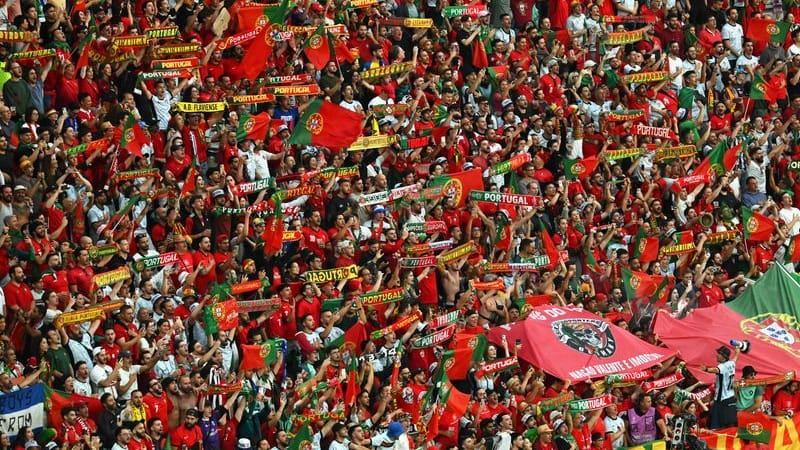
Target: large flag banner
[
  {"x": 459, "y": 185},
  {"x": 765, "y": 315},
  {"x": 22, "y": 408},
  {"x": 577, "y": 345},
  {"x": 326, "y": 124},
  {"x": 766, "y": 30}
]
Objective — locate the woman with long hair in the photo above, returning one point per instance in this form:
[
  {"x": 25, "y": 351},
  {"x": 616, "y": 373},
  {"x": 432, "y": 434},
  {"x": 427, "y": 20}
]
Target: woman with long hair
[{"x": 24, "y": 435}]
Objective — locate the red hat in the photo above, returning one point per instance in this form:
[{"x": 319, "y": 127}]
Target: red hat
[
  {"x": 354, "y": 285},
  {"x": 378, "y": 90},
  {"x": 32, "y": 362},
  {"x": 221, "y": 238}
]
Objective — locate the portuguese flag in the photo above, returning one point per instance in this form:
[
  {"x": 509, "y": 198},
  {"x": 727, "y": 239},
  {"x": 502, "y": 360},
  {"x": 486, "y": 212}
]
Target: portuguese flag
[
  {"x": 664, "y": 287},
  {"x": 755, "y": 427},
  {"x": 221, "y": 316},
  {"x": 579, "y": 168},
  {"x": 693, "y": 41},
  {"x": 793, "y": 252},
  {"x": 61, "y": 399},
  {"x": 637, "y": 284},
  {"x": 273, "y": 231},
  {"x": 317, "y": 48},
  {"x": 457, "y": 362},
  {"x": 328, "y": 125},
  {"x": 455, "y": 400},
  {"x": 757, "y": 227},
  {"x": 459, "y": 184},
  {"x": 256, "y": 56},
  {"x": 721, "y": 159},
  {"x": 549, "y": 247},
  {"x": 759, "y": 89},
  {"x": 351, "y": 339},
  {"x": 646, "y": 247},
  {"x": 133, "y": 137},
  {"x": 766, "y": 30},
  {"x": 249, "y": 16},
  {"x": 301, "y": 440},
  {"x": 262, "y": 355},
  {"x": 253, "y": 127}
]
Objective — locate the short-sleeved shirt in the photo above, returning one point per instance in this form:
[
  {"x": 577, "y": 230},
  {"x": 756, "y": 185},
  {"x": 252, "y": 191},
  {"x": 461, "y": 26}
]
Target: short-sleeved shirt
[{"x": 747, "y": 395}]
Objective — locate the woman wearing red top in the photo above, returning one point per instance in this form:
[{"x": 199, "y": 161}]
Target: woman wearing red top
[
  {"x": 87, "y": 84},
  {"x": 68, "y": 87},
  {"x": 149, "y": 20}
]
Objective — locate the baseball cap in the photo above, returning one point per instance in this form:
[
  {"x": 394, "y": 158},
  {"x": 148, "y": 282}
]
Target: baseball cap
[
  {"x": 724, "y": 351},
  {"x": 218, "y": 193},
  {"x": 395, "y": 430},
  {"x": 32, "y": 443},
  {"x": 748, "y": 371}
]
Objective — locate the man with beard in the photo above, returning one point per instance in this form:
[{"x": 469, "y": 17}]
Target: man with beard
[
  {"x": 157, "y": 433},
  {"x": 80, "y": 277},
  {"x": 19, "y": 298},
  {"x": 104, "y": 377},
  {"x": 108, "y": 422},
  {"x": 55, "y": 277},
  {"x": 188, "y": 436},
  {"x": 122, "y": 439},
  {"x": 140, "y": 440},
  {"x": 282, "y": 440},
  {"x": 69, "y": 433},
  {"x": 157, "y": 401},
  {"x": 183, "y": 399}
]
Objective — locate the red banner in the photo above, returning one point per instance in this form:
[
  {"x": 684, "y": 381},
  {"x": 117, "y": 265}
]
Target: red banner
[{"x": 577, "y": 345}]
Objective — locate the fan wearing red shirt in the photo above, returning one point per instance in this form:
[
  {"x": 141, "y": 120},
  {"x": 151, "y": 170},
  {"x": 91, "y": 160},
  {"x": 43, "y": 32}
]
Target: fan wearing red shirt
[
  {"x": 204, "y": 259},
  {"x": 157, "y": 402},
  {"x": 315, "y": 237},
  {"x": 710, "y": 293},
  {"x": 787, "y": 400},
  {"x": 188, "y": 435},
  {"x": 139, "y": 439},
  {"x": 80, "y": 277}
]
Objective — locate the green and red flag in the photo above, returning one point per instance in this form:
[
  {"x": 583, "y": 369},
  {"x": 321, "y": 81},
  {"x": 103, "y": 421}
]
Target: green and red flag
[
  {"x": 693, "y": 41},
  {"x": 457, "y": 362},
  {"x": 549, "y": 247},
  {"x": 328, "y": 125},
  {"x": 766, "y": 30},
  {"x": 646, "y": 247},
  {"x": 60, "y": 399},
  {"x": 579, "y": 168},
  {"x": 637, "y": 284},
  {"x": 352, "y": 339},
  {"x": 757, "y": 227},
  {"x": 301, "y": 440},
  {"x": 250, "y": 17},
  {"x": 458, "y": 185},
  {"x": 133, "y": 137},
  {"x": 721, "y": 159},
  {"x": 760, "y": 90},
  {"x": 663, "y": 289},
  {"x": 317, "y": 48},
  {"x": 756, "y": 427},
  {"x": 256, "y": 57},
  {"x": 455, "y": 400},
  {"x": 253, "y": 127},
  {"x": 793, "y": 251},
  {"x": 258, "y": 356},
  {"x": 475, "y": 342},
  {"x": 220, "y": 316}
]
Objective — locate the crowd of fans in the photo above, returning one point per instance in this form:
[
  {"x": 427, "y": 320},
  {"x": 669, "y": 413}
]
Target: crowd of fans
[{"x": 516, "y": 78}]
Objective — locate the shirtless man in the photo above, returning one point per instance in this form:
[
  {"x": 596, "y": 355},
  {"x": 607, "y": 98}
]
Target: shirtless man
[
  {"x": 451, "y": 280},
  {"x": 183, "y": 397}
]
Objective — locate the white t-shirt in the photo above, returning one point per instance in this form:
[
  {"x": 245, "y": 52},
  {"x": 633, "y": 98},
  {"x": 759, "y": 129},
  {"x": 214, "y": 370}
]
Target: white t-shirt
[
  {"x": 613, "y": 426},
  {"x": 125, "y": 376},
  {"x": 727, "y": 371},
  {"x": 734, "y": 34},
  {"x": 100, "y": 373},
  {"x": 787, "y": 215}
]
